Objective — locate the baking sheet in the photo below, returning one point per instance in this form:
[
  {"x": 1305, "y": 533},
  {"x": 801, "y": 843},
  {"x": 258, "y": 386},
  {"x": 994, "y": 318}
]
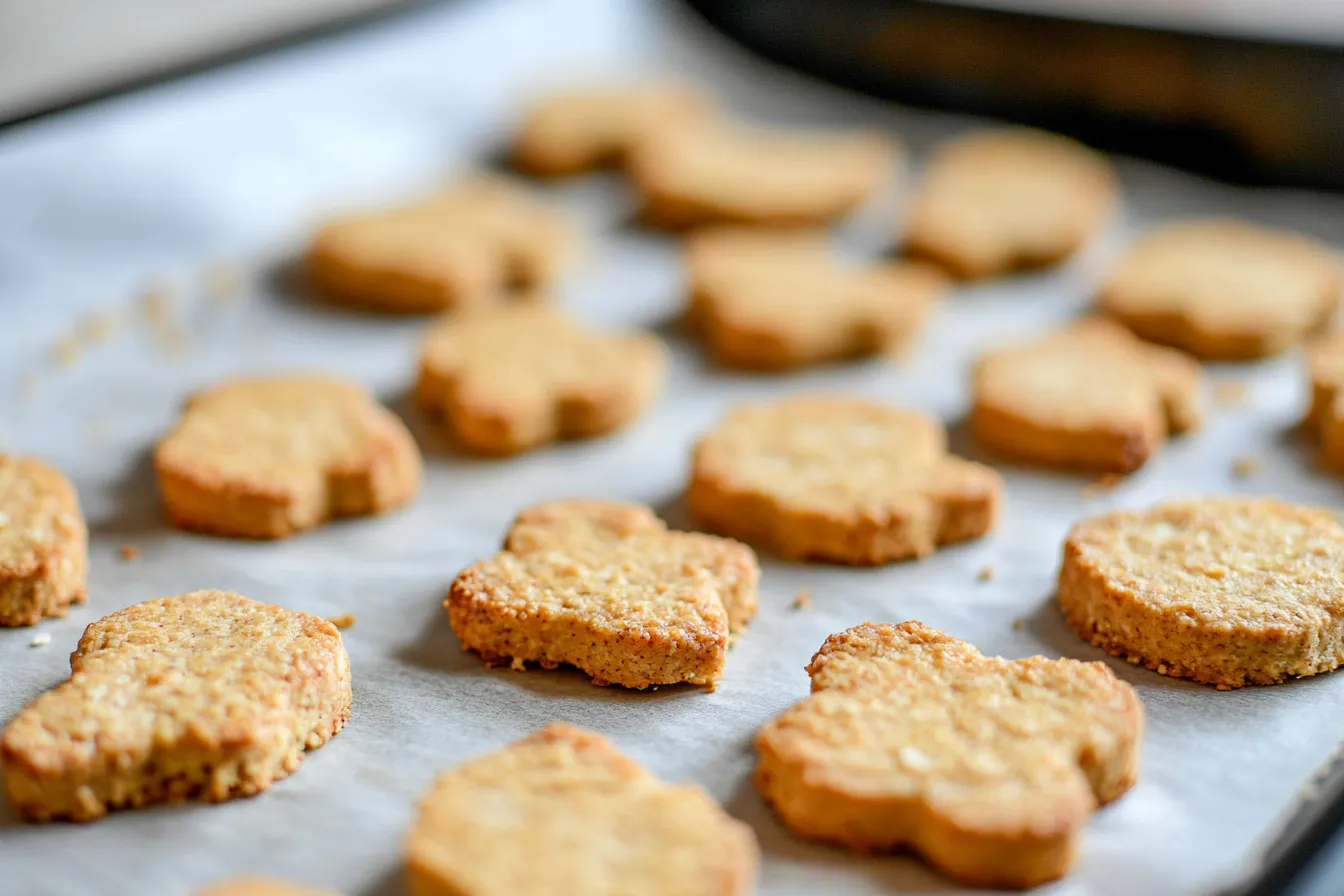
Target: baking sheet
[{"x": 157, "y": 186}]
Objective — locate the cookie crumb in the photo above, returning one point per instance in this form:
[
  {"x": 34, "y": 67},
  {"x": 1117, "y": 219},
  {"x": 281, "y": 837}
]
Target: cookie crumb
[
  {"x": 1104, "y": 483},
  {"x": 129, "y": 552},
  {"x": 42, "y": 639},
  {"x": 517, "y": 664},
  {"x": 222, "y": 281},
  {"x": 1243, "y": 467},
  {"x": 345, "y": 620},
  {"x": 96, "y": 327},
  {"x": 1019, "y": 623},
  {"x": 985, "y": 574},
  {"x": 802, "y": 600},
  {"x": 67, "y": 350},
  {"x": 156, "y": 303},
  {"x": 1230, "y": 394}
]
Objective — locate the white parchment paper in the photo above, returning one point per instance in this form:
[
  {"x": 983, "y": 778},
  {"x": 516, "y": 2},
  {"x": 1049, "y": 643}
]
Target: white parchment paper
[{"x": 236, "y": 164}]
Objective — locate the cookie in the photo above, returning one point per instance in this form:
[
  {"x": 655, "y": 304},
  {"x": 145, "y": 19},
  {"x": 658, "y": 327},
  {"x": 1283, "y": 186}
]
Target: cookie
[
  {"x": 838, "y": 479},
  {"x": 508, "y": 379},
  {"x": 201, "y": 696},
  {"x": 604, "y": 586},
  {"x": 44, "y": 542},
  {"x": 987, "y": 768},
  {"x": 1225, "y": 591},
  {"x": 587, "y": 818},
  {"x": 1089, "y": 396},
  {"x": 1224, "y": 289},
  {"x": 579, "y": 130},
  {"x": 260, "y": 886},
  {"x": 1325, "y": 420},
  {"x": 271, "y": 456},
  {"x": 462, "y": 248},
  {"x": 728, "y": 173},
  {"x": 998, "y": 200},
  {"x": 772, "y": 301}
]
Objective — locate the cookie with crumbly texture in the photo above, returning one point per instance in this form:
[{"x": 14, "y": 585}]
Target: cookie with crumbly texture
[
  {"x": 462, "y": 248},
  {"x": 767, "y": 300},
  {"x": 987, "y": 768},
  {"x": 260, "y": 886},
  {"x": 1225, "y": 591},
  {"x": 508, "y": 379},
  {"x": 44, "y": 542},
  {"x": 838, "y": 479},
  {"x": 587, "y": 818},
  {"x": 200, "y": 696},
  {"x": 271, "y": 456},
  {"x": 729, "y": 173},
  {"x": 605, "y": 586},
  {"x": 1224, "y": 289},
  {"x": 1090, "y": 396},
  {"x": 1325, "y": 419},
  {"x": 596, "y": 127},
  {"x": 998, "y": 200}
]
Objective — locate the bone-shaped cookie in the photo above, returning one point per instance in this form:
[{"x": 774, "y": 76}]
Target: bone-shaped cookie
[
  {"x": 986, "y": 767},
  {"x": 201, "y": 696},
  {"x": 604, "y": 586}
]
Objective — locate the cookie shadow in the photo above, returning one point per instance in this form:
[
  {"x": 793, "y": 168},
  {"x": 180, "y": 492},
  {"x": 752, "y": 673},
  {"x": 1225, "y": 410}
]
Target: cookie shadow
[
  {"x": 673, "y": 511},
  {"x": 135, "y": 502},
  {"x": 898, "y": 872},
  {"x": 391, "y": 881}
]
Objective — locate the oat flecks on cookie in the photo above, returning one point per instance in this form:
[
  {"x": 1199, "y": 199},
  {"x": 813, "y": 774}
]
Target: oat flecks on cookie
[
  {"x": 838, "y": 479},
  {"x": 988, "y": 768},
  {"x": 271, "y": 456},
  {"x": 604, "y": 586},
  {"x": 596, "y": 127},
  {"x": 994, "y": 201},
  {"x": 1224, "y": 289},
  {"x": 461, "y": 248},
  {"x": 563, "y": 811},
  {"x": 508, "y": 379},
  {"x": 1090, "y": 396},
  {"x": 260, "y": 886},
  {"x": 44, "y": 542},
  {"x": 1226, "y": 591},
  {"x": 201, "y": 696},
  {"x": 734, "y": 174},
  {"x": 769, "y": 300}
]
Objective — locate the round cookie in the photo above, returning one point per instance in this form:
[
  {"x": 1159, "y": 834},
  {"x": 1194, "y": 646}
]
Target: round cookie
[
  {"x": 1225, "y": 591},
  {"x": 838, "y": 479},
  {"x": 1224, "y": 289},
  {"x": 44, "y": 542}
]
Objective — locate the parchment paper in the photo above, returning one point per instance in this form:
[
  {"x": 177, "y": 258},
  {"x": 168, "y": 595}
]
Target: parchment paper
[{"x": 236, "y": 164}]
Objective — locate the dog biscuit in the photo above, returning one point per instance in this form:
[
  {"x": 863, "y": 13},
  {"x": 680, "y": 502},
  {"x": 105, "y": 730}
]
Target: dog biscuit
[{"x": 44, "y": 542}]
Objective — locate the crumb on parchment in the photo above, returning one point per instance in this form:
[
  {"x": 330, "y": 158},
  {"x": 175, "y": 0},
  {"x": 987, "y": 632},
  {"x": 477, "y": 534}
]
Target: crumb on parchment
[
  {"x": 1019, "y": 623},
  {"x": 67, "y": 350},
  {"x": 345, "y": 620},
  {"x": 802, "y": 599},
  {"x": 986, "y": 573},
  {"x": 129, "y": 552},
  {"x": 1244, "y": 466},
  {"x": 41, "y": 639}
]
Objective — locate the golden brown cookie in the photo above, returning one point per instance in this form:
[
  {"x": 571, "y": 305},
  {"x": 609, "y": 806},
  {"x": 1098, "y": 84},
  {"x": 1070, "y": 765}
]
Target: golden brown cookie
[
  {"x": 461, "y": 248},
  {"x": 604, "y": 586},
  {"x": 988, "y": 768},
  {"x": 1227, "y": 591},
  {"x": 1224, "y": 289},
  {"x": 260, "y": 886},
  {"x": 1325, "y": 420},
  {"x": 771, "y": 301},
  {"x": 268, "y": 457},
  {"x": 578, "y": 130},
  {"x": 508, "y": 379},
  {"x": 1090, "y": 396},
  {"x": 201, "y": 696},
  {"x": 722, "y": 172},
  {"x": 838, "y": 479},
  {"x": 44, "y": 542},
  {"x": 993, "y": 201}
]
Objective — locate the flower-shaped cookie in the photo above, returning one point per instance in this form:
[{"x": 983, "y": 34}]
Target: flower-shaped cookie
[
  {"x": 604, "y": 586},
  {"x": 512, "y": 378},
  {"x": 1224, "y": 289},
  {"x": 992, "y": 201},
  {"x": 839, "y": 479},
  {"x": 44, "y": 542},
  {"x": 1090, "y": 395},
  {"x": 268, "y": 457},
  {"x": 588, "y": 820},
  {"x": 206, "y": 696},
  {"x": 723, "y": 172},
  {"x": 988, "y": 768},
  {"x": 770, "y": 301},
  {"x": 461, "y": 248}
]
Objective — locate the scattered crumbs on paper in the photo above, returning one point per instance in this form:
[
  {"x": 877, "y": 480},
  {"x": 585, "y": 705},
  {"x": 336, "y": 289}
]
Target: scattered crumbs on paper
[
  {"x": 802, "y": 600},
  {"x": 96, "y": 328},
  {"x": 129, "y": 552},
  {"x": 41, "y": 639},
  {"x": 1245, "y": 466},
  {"x": 1230, "y": 394},
  {"x": 222, "y": 281},
  {"x": 156, "y": 304},
  {"x": 986, "y": 573},
  {"x": 1102, "y": 484},
  {"x": 66, "y": 350},
  {"x": 1019, "y": 623},
  {"x": 345, "y": 620}
]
